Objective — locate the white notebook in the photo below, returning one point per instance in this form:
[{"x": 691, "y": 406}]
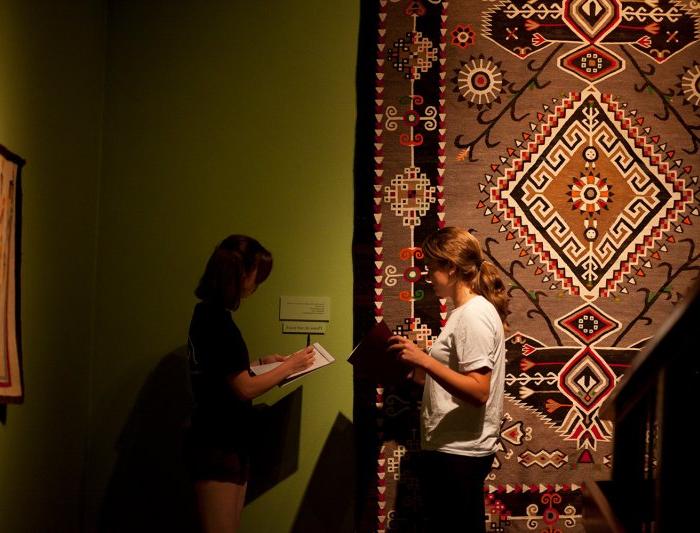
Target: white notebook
[{"x": 321, "y": 358}]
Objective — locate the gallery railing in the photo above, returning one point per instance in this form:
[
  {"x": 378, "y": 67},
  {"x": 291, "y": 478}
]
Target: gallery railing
[{"x": 655, "y": 457}]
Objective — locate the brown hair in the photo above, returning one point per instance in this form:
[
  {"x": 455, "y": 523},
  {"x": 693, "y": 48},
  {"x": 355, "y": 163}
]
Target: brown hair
[
  {"x": 233, "y": 259},
  {"x": 456, "y": 248}
]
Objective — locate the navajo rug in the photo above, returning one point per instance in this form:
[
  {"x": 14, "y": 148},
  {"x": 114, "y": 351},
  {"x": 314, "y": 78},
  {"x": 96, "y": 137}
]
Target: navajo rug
[{"x": 564, "y": 134}]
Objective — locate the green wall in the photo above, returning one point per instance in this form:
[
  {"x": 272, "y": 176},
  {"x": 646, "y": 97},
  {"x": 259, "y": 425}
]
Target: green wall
[
  {"x": 224, "y": 117},
  {"x": 51, "y": 87},
  {"x": 219, "y": 117}
]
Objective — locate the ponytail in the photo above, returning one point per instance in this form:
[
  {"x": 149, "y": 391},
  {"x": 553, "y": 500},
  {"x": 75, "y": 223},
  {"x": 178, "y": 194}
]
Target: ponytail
[{"x": 488, "y": 283}]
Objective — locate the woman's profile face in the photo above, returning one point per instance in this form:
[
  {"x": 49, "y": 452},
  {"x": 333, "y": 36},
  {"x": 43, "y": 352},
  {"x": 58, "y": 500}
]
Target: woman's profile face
[
  {"x": 439, "y": 277},
  {"x": 248, "y": 283}
]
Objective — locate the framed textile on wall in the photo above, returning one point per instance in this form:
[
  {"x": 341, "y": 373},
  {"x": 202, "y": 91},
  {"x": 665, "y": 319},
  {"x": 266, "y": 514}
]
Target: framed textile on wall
[
  {"x": 564, "y": 134},
  {"x": 11, "y": 390}
]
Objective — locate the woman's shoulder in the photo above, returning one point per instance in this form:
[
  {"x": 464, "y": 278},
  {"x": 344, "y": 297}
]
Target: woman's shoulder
[
  {"x": 478, "y": 309},
  {"x": 207, "y": 307},
  {"x": 210, "y": 314},
  {"x": 214, "y": 323}
]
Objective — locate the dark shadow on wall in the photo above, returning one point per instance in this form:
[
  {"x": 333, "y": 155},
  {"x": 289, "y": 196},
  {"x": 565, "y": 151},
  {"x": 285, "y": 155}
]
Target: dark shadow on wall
[
  {"x": 328, "y": 503},
  {"x": 275, "y": 449},
  {"x": 149, "y": 488}
]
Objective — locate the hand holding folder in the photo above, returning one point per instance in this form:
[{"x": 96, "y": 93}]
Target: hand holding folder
[{"x": 373, "y": 362}]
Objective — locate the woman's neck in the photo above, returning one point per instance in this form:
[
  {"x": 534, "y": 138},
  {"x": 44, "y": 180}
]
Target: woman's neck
[{"x": 461, "y": 294}]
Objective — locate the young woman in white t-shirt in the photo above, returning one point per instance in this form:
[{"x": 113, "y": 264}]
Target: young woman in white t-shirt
[{"x": 463, "y": 377}]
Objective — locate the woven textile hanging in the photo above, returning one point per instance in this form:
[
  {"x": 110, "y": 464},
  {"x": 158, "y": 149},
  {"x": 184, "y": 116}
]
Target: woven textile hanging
[
  {"x": 10, "y": 203},
  {"x": 565, "y": 136}
]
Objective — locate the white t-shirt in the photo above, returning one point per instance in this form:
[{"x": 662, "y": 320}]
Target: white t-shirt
[{"x": 473, "y": 338}]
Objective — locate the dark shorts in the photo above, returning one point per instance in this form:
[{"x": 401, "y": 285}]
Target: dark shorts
[
  {"x": 453, "y": 491},
  {"x": 208, "y": 459}
]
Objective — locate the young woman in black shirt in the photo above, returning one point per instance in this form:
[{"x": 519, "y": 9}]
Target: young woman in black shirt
[{"x": 222, "y": 384}]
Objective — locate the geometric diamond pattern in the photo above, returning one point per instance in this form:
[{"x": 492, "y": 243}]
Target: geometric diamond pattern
[
  {"x": 587, "y": 380},
  {"x": 589, "y": 252},
  {"x": 588, "y": 324}
]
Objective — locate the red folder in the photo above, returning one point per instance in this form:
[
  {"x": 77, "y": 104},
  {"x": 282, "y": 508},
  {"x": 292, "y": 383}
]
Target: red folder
[{"x": 373, "y": 362}]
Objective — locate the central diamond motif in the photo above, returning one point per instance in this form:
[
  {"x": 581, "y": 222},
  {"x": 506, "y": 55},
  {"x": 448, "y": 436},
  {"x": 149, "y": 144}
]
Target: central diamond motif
[{"x": 589, "y": 254}]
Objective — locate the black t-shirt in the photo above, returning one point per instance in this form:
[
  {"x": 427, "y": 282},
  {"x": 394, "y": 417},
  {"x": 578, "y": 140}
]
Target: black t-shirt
[{"x": 216, "y": 351}]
